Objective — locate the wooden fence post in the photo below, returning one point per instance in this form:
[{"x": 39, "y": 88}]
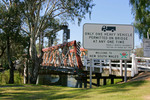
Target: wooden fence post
[{"x": 134, "y": 69}]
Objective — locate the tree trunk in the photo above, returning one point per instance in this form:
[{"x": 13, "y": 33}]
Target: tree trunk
[
  {"x": 3, "y": 50},
  {"x": 27, "y": 63},
  {"x": 33, "y": 71},
  {"x": 11, "y": 78}
]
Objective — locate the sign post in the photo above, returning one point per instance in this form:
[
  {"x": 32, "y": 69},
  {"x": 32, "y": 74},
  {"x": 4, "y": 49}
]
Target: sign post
[
  {"x": 108, "y": 41},
  {"x": 91, "y": 73},
  {"x": 125, "y": 71}
]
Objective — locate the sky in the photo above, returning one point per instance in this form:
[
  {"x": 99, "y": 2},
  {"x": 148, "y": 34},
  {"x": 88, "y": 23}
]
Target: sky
[{"x": 104, "y": 12}]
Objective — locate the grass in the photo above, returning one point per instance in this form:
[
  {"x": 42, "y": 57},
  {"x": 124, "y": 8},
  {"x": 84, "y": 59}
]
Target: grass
[
  {"x": 4, "y": 77},
  {"x": 138, "y": 90}
]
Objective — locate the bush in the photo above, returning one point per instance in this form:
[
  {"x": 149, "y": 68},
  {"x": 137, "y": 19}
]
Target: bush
[{"x": 4, "y": 77}]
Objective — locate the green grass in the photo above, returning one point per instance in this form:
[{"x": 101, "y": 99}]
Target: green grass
[
  {"x": 128, "y": 91},
  {"x": 4, "y": 77}
]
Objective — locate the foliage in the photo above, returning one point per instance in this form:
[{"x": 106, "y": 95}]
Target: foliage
[
  {"x": 139, "y": 51},
  {"x": 12, "y": 38},
  {"x": 35, "y": 19},
  {"x": 42, "y": 17},
  {"x": 4, "y": 77},
  {"x": 10, "y": 24},
  {"x": 141, "y": 11}
]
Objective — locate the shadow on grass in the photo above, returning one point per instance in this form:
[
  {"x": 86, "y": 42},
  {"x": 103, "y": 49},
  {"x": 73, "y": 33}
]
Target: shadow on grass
[
  {"x": 12, "y": 85},
  {"x": 121, "y": 87},
  {"x": 30, "y": 92},
  {"x": 41, "y": 92}
]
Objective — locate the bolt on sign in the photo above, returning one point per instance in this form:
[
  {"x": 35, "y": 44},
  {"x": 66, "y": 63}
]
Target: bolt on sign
[{"x": 108, "y": 37}]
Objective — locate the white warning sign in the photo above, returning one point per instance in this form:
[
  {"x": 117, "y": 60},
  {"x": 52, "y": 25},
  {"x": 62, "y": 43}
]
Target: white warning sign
[{"x": 108, "y": 37}]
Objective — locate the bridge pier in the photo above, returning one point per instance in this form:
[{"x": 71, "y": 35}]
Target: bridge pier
[
  {"x": 85, "y": 82},
  {"x": 98, "y": 82},
  {"x": 79, "y": 83},
  {"x": 112, "y": 78},
  {"x": 104, "y": 81},
  {"x": 81, "y": 80},
  {"x": 63, "y": 79},
  {"x": 98, "y": 75}
]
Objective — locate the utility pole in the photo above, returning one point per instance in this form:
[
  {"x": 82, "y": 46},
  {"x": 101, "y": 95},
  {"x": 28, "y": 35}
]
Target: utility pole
[{"x": 66, "y": 33}]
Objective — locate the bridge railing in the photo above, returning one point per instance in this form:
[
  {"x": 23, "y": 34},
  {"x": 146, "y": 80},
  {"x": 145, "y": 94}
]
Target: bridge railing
[{"x": 62, "y": 55}]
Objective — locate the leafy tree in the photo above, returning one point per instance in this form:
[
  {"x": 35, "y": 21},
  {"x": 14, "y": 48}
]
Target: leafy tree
[
  {"x": 10, "y": 22},
  {"x": 139, "y": 51},
  {"x": 43, "y": 15},
  {"x": 141, "y": 11}
]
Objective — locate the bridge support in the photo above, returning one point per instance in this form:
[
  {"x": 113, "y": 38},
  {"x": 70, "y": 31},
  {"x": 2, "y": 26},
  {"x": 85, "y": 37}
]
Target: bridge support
[
  {"x": 80, "y": 80},
  {"x": 98, "y": 75},
  {"x": 79, "y": 83},
  {"x": 98, "y": 82},
  {"x": 63, "y": 79},
  {"x": 104, "y": 81}
]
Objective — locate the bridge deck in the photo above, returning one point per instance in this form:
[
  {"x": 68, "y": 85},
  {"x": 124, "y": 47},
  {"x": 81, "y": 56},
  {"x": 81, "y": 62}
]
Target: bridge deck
[{"x": 61, "y": 70}]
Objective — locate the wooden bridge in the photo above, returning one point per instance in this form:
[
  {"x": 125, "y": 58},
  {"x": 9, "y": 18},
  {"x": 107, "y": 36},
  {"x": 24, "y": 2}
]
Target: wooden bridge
[{"x": 69, "y": 59}]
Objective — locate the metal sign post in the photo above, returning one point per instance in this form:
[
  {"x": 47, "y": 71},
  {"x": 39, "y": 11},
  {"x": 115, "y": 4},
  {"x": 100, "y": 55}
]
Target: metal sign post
[
  {"x": 91, "y": 73},
  {"x": 125, "y": 71}
]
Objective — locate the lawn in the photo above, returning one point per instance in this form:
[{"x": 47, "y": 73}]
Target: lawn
[{"x": 139, "y": 90}]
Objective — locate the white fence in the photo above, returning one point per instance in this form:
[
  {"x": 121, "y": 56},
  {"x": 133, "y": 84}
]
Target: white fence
[
  {"x": 143, "y": 63},
  {"x": 133, "y": 66}
]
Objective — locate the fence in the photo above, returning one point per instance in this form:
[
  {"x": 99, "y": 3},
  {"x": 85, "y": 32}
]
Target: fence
[
  {"x": 143, "y": 63},
  {"x": 132, "y": 65}
]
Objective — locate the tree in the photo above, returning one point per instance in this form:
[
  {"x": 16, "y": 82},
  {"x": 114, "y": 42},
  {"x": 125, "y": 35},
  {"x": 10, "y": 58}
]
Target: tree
[
  {"x": 10, "y": 22},
  {"x": 139, "y": 51},
  {"x": 141, "y": 11},
  {"x": 42, "y": 15}
]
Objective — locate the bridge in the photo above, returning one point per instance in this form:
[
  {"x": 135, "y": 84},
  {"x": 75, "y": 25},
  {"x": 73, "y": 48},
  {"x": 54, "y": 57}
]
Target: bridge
[
  {"x": 69, "y": 59},
  {"x": 64, "y": 58}
]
